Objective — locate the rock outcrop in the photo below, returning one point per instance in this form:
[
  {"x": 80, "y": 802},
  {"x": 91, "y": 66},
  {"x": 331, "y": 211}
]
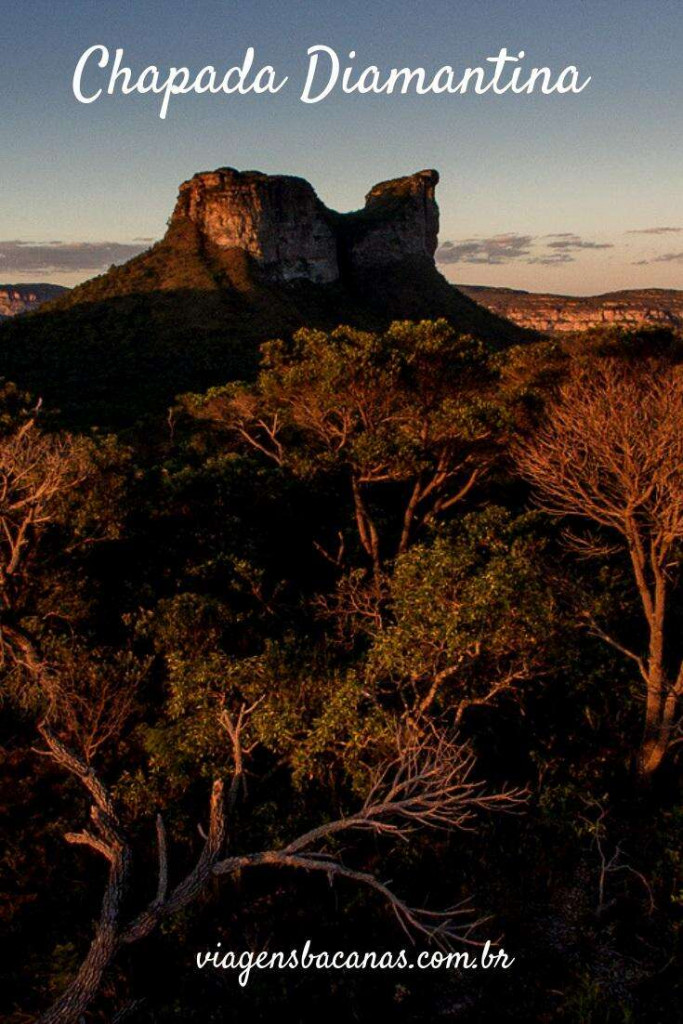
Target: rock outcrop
[
  {"x": 277, "y": 219},
  {"x": 22, "y": 298},
  {"x": 400, "y": 218},
  {"x": 247, "y": 257},
  {"x": 291, "y": 235},
  {"x": 563, "y": 314}
]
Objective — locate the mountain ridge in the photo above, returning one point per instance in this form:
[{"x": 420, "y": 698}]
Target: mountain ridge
[
  {"x": 560, "y": 314},
  {"x": 16, "y": 299},
  {"x": 233, "y": 270}
]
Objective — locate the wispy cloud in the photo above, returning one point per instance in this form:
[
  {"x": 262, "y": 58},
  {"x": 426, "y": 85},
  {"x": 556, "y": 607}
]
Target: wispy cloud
[
  {"x": 512, "y": 248},
  {"x": 17, "y": 255},
  {"x": 667, "y": 257},
  {"x": 654, "y": 231},
  {"x": 552, "y": 259},
  {"x": 569, "y": 242},
  {"x": 494, "y": 250}
]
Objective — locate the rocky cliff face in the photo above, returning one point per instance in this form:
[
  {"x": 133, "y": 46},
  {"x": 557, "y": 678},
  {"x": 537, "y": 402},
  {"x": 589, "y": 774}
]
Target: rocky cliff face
[
  {"x": 22, "y": 298},
  {"x": 400, "y": 219},
  {"x": 277, "y": 219},
  {"x": 247, "y": 257},
  {"x": 292, "y": 235},
  {"x": 561, "y": 314}
]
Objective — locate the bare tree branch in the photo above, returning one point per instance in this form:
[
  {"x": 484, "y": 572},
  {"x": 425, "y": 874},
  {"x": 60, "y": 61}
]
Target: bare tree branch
[
  {"x": 429, "y": 784},
  {"x": 610, "y": 453}
]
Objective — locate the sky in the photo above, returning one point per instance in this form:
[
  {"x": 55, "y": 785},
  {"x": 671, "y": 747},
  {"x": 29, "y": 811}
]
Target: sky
[{"x": 576, "y": 194}]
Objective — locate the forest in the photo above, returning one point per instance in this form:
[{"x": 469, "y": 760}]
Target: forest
[{"x": 379, "y": 647}]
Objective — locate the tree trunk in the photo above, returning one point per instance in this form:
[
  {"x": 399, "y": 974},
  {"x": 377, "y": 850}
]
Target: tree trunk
[
  {"x": 651, "y": 754},
  {"x": 659, "y": 709},
  {"x": 658, "y": 730},
  {"x": 367, "y": 531},
  {"x": 78, "y": 996}
]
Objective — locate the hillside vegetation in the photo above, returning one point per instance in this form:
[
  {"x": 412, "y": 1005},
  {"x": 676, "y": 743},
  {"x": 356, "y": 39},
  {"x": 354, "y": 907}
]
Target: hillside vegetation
[{"x": 403, "y": 604}]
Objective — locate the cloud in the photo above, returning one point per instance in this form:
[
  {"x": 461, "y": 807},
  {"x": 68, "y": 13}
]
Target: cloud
[
  {"x": 667, "y": 257},
  {"x": 552, "y": 259},
  {"x": 569, "y": 242},
  {"x": 494, "y": 250},
  {"x": 654, "y": 231},
  {"x": 512, "y": 248},
  {"x": 17, "y": 255}
]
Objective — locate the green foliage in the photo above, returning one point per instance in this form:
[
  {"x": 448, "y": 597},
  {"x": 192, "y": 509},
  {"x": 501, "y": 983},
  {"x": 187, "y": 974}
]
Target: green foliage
[
  {"x": 311, "y": 717},
  {"x": 471, "y": 611},
  {"x": 407, "y": 420},
  {"x": 384, "y": 405},
  {"x": 225, "y": 562}
]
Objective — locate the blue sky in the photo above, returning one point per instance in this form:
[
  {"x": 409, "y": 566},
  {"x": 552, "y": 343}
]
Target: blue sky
[{"x": 560, "y": 193}]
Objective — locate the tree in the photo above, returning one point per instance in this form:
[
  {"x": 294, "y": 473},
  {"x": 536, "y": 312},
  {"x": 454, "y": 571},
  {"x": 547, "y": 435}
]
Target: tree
[
  {"x": 37, "y": 473},
  {"x": 429, "y": 784},
  {"x": 412, "y": 412},
  {"x": 471, "y": 617},
  {"x": 90, "y": 693},
  {"x": 610, "y": 453}
]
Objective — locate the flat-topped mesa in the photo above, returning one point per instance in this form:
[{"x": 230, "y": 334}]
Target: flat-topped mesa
[
  {"x": 278, "y": 219},
  {"x": 291, "y": 234}
]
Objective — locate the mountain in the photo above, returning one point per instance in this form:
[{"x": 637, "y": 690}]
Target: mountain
[
  {"x": 247, "y": 257},
  {"x": 559, "y": 314},
  {"x": 22, "y": 298}
]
